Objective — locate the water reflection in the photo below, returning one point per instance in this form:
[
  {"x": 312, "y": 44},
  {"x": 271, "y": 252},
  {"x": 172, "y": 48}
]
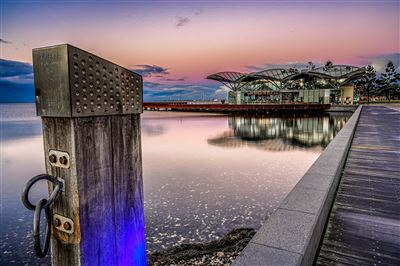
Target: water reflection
[
  {"x": 18, "y": 121},
  {"x": 193, "y": 191},
  {"x": 152, "y": 130},
  {"x": 280, "y": 134},
  {"x": 12, "y": 130}
]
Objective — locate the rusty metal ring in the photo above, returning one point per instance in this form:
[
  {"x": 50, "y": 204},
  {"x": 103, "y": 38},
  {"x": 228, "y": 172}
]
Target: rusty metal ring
[
  {"x": 36, "y": 229},
  {"x": 25, "y": 193}
]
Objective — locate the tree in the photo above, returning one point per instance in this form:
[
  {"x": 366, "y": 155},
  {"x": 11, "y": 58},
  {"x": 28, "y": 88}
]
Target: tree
[
  {"x": 328, "y": 65},
  {"x": 367, "y": 83},
  {"x": 389, "y": 81},
  {"x": 311, "y": 65}
]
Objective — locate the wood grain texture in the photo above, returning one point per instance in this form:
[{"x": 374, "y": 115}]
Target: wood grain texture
[
  {"x": 57, "y": 134},
  {"x": 128, "y": 191},
  {"x": 106, "y": 194},
  {"x": 93, "y": 145},
  {"x": 364, "y": 224}
]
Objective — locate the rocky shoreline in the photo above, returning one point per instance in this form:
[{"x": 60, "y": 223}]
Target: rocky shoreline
[{"x": 218, "y": 252}]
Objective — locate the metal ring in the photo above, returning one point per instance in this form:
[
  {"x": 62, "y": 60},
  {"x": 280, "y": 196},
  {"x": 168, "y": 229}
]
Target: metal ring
[
  {"x": 36, "y": 229},
  {"x": 31, "y": 182}
]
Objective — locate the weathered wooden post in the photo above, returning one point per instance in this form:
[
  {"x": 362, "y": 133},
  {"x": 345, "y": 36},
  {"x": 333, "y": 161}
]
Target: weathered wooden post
[{"x": 90, "y": 111}]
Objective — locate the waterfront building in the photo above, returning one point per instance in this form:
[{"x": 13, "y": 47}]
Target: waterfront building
[{"x": 324, "y": 85}]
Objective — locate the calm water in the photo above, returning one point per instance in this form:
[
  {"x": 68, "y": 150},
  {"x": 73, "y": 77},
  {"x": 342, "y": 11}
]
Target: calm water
[{"x": 203, "y": 174}]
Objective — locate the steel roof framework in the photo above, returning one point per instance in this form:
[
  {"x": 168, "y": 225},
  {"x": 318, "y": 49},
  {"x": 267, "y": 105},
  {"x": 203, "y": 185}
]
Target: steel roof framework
[{"x": 279, "y": 78}]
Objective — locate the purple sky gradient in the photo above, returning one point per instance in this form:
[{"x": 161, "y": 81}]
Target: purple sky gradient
[{"x": 191, "y": 39}]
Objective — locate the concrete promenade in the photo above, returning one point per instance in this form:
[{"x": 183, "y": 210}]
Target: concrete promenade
[
  {"x": 364, "y": 224},
  {"x": 346, "y": 209},
  {"x": 292, "y": 234}
]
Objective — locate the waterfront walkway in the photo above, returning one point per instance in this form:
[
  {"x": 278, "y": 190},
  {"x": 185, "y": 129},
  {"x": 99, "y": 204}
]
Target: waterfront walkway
[
  {"x": 214, "y": 107},
  {"x": 364, "y": 224}
]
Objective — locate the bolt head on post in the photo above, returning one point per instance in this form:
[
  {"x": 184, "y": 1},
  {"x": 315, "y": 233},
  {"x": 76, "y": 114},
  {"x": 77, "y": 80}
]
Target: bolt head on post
[
  {"x": 52, "y": 158},
  {"x": 57, "y": 222}
]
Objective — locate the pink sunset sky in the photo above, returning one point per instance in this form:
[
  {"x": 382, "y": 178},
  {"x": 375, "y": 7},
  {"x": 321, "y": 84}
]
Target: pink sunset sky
[{"x": 178, "y": 43}]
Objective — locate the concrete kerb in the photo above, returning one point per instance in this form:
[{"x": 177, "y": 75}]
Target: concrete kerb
[{"x": 292, "y": 234}]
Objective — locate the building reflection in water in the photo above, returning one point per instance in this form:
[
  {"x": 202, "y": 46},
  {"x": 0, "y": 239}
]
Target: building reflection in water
[{"x": 281, "y": 134}]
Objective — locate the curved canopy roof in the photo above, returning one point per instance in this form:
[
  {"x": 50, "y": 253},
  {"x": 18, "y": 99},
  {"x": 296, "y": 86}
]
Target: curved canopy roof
[
  {"x": 336, "y": 71},
  {"x": 236, "y": 80},
  {"x": 276, "y": 74},
  {"x": 228, "y": 76}
]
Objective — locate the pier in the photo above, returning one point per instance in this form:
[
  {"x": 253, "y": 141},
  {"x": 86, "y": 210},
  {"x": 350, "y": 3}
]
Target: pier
[
  {"x": 345, "y": 209},
  {"x": 364, "y": 224},
  {"x": 231, "y": 108}
]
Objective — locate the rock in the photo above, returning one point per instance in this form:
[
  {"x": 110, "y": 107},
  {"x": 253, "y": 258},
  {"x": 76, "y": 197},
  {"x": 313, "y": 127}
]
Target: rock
[{"x": 219, "y": 252}]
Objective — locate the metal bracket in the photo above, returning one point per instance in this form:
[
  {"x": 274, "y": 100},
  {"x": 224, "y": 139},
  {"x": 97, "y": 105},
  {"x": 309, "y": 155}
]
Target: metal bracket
[
  {"x": 63, "y": 183},
  {"x": 59, "y": 159},
  {"x": 63, "y": 224}
]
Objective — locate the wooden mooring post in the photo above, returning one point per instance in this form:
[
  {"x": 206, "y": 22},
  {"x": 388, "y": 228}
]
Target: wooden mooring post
[{"x": 90, "y": 111}]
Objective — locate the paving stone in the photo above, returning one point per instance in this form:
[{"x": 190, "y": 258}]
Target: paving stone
[
  {"x": 266, "y": 256},
  {"x": 305, "y": 200},
  {"x": 288, "y": 230}
]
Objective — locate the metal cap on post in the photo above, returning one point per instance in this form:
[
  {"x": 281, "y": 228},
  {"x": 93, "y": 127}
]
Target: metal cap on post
[
  {"x": 70, "y": 82},
  {"x": 90, "y": 111}
]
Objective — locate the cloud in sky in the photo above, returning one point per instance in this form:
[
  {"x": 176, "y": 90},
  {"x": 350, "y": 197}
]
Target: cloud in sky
[
  {"x": 150, "y": 70},
  {"x": 16, "y": 84},
  {"x": 9, "y": 68},
  {"x": 223, "y": 32},
  {"x": 158, "y": 72},
  {"x": 222, "y": 92},
  {"x": 178, "y": 79},
  {"x": 199, "y": 12},
  {"x": 182, "y": 21},
  {"x": 379, "y": 62},
  {"x": 154, "y": 91},
  {"x": 16, "y": 81},
  {"x": 4, "y": 41}
]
